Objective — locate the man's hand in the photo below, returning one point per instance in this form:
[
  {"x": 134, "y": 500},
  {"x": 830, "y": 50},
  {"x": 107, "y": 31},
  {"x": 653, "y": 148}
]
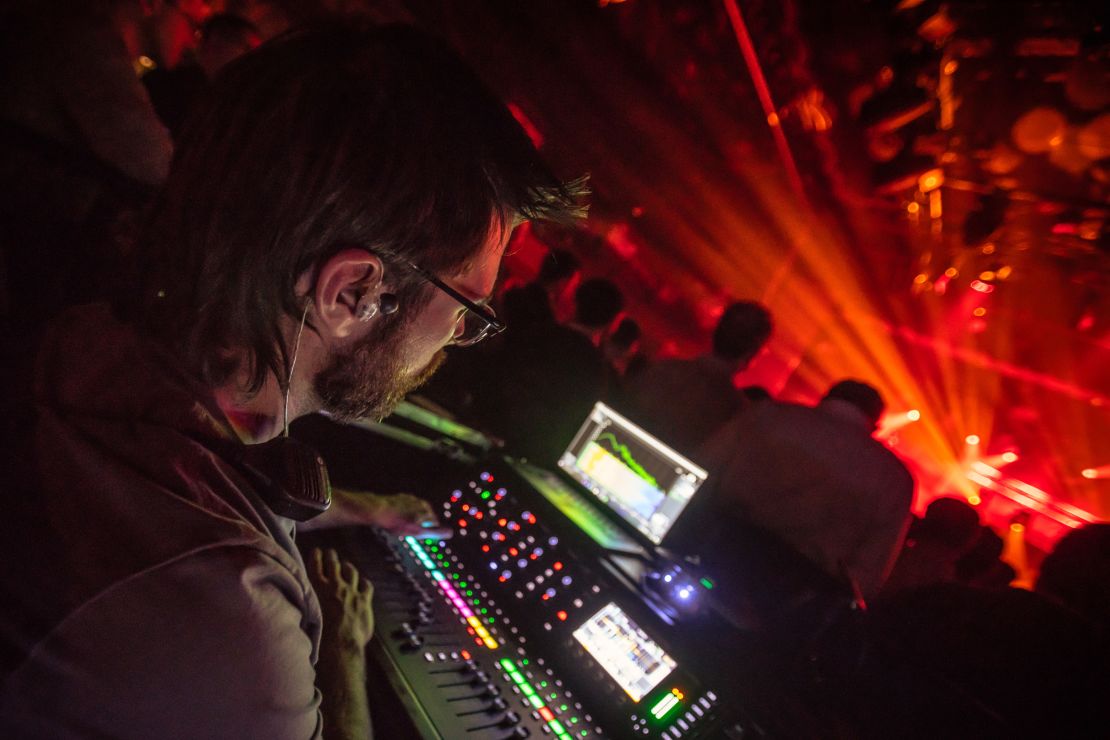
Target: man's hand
[
  {"x": 401, "y": 514},
  {"x": 345, "y": 602}
]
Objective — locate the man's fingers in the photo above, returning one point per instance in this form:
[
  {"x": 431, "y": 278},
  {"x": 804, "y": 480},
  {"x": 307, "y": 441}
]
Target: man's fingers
[
  {"x": 318, "y": 564},
  {"x": 433, "y": 533},
  {"x": 366, "y": 588},
  {"x": 333, "y": 566},
  {"x": 350, "y": 574}
]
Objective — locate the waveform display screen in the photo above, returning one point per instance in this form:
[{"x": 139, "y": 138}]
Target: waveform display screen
[
  {"x": 636, "y": 662},
  {"x": 637, "y": 476}
]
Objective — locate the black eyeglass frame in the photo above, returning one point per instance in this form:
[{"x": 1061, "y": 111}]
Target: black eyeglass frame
[{"x": 493, "y": 325}]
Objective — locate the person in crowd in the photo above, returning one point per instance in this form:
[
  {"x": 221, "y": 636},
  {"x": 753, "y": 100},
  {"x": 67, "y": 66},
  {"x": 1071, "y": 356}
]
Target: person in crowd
[
  {"x": 1077, "y": 573},
  {"x": 935, "y": 544},
  {"x": 816, "y": 479},
  {"x": 224, "y": 37},
  {"x": 684, "y": 401},
  {"x": 597, "y": 304},
  {"x": 336, "y": 218},
  {"x": 81, "y": 147},
  {"x": 174, "y": 87},
  {"x": 620, "y": 349},
  {"x": 559, "y": 277},
  {"x": 982, "y": 565},
  {"x": 538, "y": 383}
]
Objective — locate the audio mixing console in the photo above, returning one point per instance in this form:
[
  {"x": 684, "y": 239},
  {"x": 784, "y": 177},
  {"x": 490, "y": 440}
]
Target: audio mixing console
[{"x": 511, "y": 628}]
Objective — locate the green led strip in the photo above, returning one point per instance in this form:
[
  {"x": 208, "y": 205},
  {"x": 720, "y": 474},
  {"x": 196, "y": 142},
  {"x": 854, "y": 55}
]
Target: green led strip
[
  {"x": 665, "y": 706},
  {"x": 424, "y": 554},
  {"x": 535, "y": 700},
  {"x": 481, "y": 633}
]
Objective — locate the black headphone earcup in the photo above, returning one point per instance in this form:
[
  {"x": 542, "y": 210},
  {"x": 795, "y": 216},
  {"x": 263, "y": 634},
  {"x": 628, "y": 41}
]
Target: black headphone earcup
[{"x": 388, "y": 302}]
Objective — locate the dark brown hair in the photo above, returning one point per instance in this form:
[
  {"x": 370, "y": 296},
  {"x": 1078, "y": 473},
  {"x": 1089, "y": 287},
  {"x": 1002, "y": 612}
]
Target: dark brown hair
[{"x": 326, "y": 138}]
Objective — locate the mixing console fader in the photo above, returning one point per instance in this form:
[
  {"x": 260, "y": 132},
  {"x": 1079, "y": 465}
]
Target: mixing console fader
[{"x": 511, "y": 629}]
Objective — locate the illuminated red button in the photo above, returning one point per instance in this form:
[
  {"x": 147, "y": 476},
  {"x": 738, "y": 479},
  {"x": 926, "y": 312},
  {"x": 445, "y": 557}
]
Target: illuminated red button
[
  {"x": 546, "y": 714},
  {"x": 562, "y": 616},
  {"x": 558, "y": 565},
  {"x": 462, "y": 523}
]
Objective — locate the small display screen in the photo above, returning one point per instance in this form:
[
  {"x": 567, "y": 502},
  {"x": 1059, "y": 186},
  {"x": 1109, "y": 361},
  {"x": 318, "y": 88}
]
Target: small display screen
[
  {"x": 634, "y": 660},
  {"x": 645, "y": 482}
]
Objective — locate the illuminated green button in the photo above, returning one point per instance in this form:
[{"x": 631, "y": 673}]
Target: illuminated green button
[
  {"x": 557, "y": 726},
  {"x": 528, "y": 690},
  {"x": 536, "y": 701}
]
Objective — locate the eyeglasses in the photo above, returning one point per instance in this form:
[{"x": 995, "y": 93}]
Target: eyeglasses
[{"x": 479, "y": 322}]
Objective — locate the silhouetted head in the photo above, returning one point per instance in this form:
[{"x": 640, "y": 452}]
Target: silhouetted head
[
  {"x": 861, "y": 395},
  {"x": 743, "y": 329},
  {"x": 597, "y": 302}
]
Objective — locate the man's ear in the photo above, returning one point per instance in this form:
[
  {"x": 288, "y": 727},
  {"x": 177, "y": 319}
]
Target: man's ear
[{"x": 344, "y": 279}]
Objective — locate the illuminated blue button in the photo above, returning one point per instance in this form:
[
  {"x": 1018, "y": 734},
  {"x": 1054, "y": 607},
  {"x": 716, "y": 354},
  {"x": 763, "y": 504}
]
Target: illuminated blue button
[
  {"x": 522, "y": 563},
  {"x": 553, "y": 541},
  {"x": 567, "y": 580}
]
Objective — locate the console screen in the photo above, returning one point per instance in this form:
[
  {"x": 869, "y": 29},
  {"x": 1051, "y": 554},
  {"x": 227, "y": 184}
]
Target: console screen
[
  {"x": 625, "y": 651},
  {"x": 641, "y": 479}
]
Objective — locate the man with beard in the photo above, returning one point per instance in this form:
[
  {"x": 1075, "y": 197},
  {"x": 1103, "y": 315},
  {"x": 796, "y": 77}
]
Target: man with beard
[{"x": 335, "y": 216}]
